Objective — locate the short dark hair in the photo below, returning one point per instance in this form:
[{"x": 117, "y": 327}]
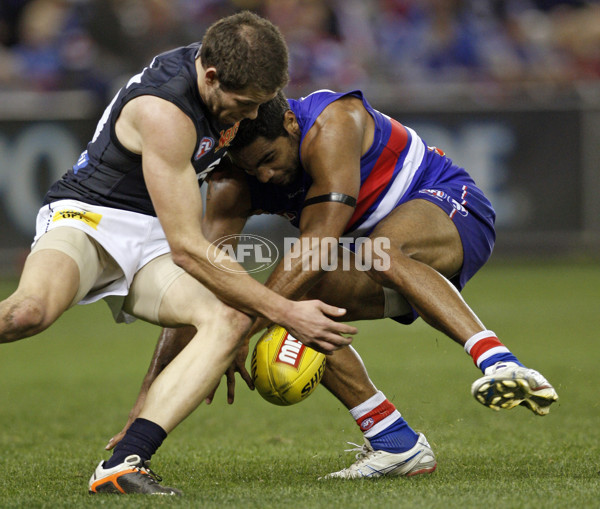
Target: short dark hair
[
  {"x": 268, "y": 123},
  {"x": 247, "y": 51}
]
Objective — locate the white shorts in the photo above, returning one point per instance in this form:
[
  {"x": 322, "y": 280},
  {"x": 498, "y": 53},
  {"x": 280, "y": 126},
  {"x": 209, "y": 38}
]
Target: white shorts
[{"x": 131, "y": 239}]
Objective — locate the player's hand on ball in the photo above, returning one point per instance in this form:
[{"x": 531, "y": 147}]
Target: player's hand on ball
[{"x": 309, "y": 323}]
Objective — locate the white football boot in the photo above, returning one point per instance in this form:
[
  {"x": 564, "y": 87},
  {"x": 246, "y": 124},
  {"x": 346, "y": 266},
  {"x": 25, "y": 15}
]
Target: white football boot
[
  {"x": 370, "y": 463},
  {"x": 506, "y": 385}
]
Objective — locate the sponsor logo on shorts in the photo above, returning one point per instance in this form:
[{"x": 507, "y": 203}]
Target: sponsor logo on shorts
[
  {"x": 290, "y": 351},
  {"x": 90, "y": 218},
  {"x": 443, "y": 196},
  {"x": 367, "y": 424},
  {"x": 206, "y": 144}
]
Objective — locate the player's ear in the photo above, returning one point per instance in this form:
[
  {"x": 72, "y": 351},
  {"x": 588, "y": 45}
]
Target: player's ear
[
  {"x": 211, "y": 77},
  {"x": 290, "y": 122}
]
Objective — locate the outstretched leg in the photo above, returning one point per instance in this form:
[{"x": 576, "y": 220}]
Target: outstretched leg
[
  {"x": 193, "y": 373},
  {"x": 422, "y": 260},
  {"x": 392, "y": 447},
  {"x": 61, "y": 269},
  {"x": 187, "y": 379}
]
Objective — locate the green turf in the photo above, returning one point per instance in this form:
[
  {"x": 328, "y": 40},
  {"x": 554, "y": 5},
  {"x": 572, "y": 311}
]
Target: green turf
[{"x": 66, "y": 391}]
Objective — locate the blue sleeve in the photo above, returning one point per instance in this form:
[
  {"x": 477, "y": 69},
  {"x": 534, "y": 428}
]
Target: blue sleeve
[{"x": 308, "y": 108}]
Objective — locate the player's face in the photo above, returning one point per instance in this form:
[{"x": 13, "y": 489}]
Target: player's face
[
  {"x": 231, "y": 107},
  {"x": 275, "y": 161}
]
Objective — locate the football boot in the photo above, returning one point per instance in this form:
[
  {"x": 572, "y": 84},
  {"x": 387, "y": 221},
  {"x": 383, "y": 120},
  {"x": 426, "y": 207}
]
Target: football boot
[
  {"x": 376, "y": 463},
  {"x": 506, "y": 385},
  {"x": 131, "y": 476}
]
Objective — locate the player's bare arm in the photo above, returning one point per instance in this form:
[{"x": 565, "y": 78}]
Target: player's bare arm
[
  {"x": 331, "y": 154},
  {"x": 166, "y": 136}
]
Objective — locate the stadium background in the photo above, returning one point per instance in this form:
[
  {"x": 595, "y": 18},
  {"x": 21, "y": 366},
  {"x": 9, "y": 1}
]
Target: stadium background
[{"x": 508, "y": 89}]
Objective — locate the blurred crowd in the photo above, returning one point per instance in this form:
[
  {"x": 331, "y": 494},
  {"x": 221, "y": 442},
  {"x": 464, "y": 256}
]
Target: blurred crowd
[{"x": 338, "y": 44}]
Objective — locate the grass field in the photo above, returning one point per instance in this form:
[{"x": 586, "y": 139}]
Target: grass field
[{"x": 66, "y": 391}]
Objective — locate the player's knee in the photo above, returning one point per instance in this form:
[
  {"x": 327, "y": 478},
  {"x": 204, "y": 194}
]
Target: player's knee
[
  {"x": 236, "y": 324},
  {"x": 387, "y": 266},
  {"x": 21, "y": 318}
]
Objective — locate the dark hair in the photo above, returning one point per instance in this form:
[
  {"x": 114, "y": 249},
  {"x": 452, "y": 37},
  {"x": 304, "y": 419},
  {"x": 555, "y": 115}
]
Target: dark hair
[
  {"x": 247, "y": 51},
  {"x": 268, "y": 123}
]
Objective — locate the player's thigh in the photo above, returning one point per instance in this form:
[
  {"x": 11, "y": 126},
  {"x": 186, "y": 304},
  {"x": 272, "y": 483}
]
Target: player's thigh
[
  {"x": 423, "y": 231},
  {"x": 164, "y": 294},
  {"x": 61, "y": 269},
  {"x": 351, "y": 288}
]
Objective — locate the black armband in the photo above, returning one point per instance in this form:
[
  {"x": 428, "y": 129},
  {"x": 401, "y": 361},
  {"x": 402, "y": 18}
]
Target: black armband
[{"x": 336, "y": 197}]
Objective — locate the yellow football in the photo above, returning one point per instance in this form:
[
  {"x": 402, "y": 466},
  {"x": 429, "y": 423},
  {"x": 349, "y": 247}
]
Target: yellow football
[{"x": 284, "y": 370}]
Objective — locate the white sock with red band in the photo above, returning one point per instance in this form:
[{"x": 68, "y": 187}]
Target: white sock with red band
[
  {"x": 383, "y": 425},
  {"x": 375, "y": 414},
  {"x": 486, "y": 350}
]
